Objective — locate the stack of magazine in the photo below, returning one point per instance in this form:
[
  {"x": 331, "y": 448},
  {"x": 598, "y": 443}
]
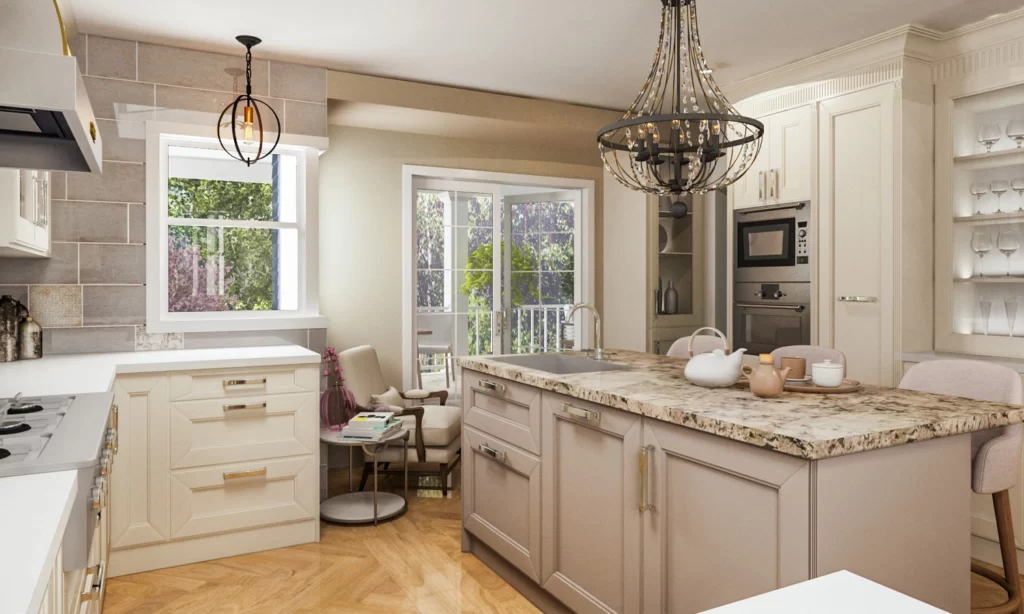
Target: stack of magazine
[{"x": 371, "y": 426}]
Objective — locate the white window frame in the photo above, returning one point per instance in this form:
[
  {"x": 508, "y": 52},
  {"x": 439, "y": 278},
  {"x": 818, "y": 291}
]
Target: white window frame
[{"x": 160, "y": 136}]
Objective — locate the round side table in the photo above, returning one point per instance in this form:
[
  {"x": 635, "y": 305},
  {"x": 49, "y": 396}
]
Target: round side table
[{"x": 365, "y": 507}]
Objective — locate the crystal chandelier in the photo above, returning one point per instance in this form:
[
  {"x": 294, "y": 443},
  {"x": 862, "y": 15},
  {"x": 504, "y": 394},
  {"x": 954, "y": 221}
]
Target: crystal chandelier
[
  {"x": 680, "y": 135},
  {"x": 246, "y": 130}
]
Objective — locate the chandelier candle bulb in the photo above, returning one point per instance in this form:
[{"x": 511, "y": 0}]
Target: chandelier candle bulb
[{"x": 678, "y": 91}]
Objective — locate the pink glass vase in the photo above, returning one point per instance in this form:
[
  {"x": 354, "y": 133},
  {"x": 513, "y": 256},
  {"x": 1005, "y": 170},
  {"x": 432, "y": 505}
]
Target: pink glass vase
[{"x": 337, "y": 406}]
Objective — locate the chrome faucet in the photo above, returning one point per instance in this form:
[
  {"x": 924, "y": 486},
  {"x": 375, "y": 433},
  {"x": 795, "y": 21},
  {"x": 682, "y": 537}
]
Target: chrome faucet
[{"x": 598, "y": 350}]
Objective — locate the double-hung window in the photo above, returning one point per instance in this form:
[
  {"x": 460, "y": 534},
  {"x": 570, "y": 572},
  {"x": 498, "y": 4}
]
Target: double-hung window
[{"x": 230, "y": 246}]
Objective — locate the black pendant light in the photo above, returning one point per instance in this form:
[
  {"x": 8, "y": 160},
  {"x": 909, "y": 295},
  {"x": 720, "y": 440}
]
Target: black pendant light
[
  {"x": 681, "y": 135},
  {"x": 247, "y": 131}
]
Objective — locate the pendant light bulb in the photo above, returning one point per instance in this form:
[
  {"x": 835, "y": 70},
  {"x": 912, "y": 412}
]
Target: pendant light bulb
[{"x": 247, "y": 124}]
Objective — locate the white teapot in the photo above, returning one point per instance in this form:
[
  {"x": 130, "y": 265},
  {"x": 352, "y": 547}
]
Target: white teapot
[{"x": 717, "y": 369}]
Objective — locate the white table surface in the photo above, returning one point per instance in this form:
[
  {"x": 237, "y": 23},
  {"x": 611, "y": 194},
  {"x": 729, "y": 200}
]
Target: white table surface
[
  {"x": 838, "y": 593},
  {"x": 82, "y": 373},
  {"x": 34, "y": 513}
]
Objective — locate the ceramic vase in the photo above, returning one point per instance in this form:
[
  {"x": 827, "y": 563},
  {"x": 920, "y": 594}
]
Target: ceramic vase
[
  {"x": 671, "y": 299},
  {"x": 30, "y": 339},
  {"x": 9, "y": 318}
]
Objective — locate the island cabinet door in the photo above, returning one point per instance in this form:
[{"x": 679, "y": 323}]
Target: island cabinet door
[
  {"x": 724, "y": 520},
  {"x": 590, "y": 506}
]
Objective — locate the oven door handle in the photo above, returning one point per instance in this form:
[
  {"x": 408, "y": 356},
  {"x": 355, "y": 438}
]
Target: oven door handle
[
  {"x": 797, "y": 308},
  {"x": 753, "y": 210}
]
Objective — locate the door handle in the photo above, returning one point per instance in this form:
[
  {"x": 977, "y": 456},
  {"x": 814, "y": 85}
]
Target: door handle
[
  {"x": 858, "y": 299},
  {"x": 262, "y": 405},
  {"x": 238, "y": 475},
  {"x": 797, "y": 308},
  {"x": 258, "y": 381},
  {"x": 501, "y": 457},
  {"x": 498, "y": 320},
  {"x": 760, "y": 186},
  {"x": 578, "y": 412},
  {"x": 500, "y": 388},
  {"x": 773, "y": 181},
  {"x": 645, "y": 474}
]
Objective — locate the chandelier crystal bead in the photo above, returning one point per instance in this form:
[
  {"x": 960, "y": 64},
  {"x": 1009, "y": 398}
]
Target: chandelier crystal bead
[{"x": 681, "y": 135}]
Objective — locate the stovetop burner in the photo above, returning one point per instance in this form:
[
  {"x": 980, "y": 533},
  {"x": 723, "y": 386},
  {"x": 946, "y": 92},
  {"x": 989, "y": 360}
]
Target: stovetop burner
[
  {"x": 12, "y": 428},
  {"x": 4, "y": 454},
  {"x": 18, "y": 410}
]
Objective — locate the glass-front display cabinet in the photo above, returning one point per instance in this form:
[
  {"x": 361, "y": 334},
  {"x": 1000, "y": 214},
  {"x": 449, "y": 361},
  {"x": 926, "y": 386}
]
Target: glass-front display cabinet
[
  {"x": 979, "y": 196},
  {"x": 675, "y": 278}
]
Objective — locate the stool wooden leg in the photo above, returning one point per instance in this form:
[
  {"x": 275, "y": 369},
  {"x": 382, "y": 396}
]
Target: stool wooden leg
[{"x": 1011, "y": 575}]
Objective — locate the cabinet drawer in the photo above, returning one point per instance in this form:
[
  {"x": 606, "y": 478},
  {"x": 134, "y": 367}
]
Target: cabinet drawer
[
  {"x": 242, "y": 496},
  {"x": 501, "y": 499},
  {"x": 219, "y": 384},
  {"x": 236, "y": 429},
  {"x": 502, "y": 408}
]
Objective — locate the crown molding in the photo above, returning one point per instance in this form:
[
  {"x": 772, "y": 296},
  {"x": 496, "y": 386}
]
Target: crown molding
[{"x": 890, "y": 71}]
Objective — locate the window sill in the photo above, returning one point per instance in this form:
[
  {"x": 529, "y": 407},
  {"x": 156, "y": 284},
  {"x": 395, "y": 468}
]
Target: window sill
[{"x": 234, "y": 324}]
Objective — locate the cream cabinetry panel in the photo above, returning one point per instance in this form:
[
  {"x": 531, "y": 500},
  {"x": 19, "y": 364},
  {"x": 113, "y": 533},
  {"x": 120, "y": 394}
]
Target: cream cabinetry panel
[
  {"x": 751, "y": 189},
  {"x": 53, "y": 598},
  {"x": 856, "y": 303},
  {"x": 505, "y": 409},
  {"x": 243, "y": 495},
  {"x": 221, "y": 384},
  {"x": 139, "y": 486},
  {"x": 713, "y": 498},
  {"x": 791, "y": 154},
  {"x": 24, "y": 212},
  {"x": 501, "y": 499},
  {"x": 591, "y": 513},
  {"x": 238, "y": 429}
]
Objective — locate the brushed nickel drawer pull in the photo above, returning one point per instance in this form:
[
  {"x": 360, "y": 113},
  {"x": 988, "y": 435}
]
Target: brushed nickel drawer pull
[
  {"x": 857, "y": 299},
  {"x": 237, "y": 475},
  {"x": 256, "y": 381},
  {"x": 238, "y": 406},
  {"x": 645, "y": 476},
  {"x": 113, "y": 424},
  {"x": 501, "y": 457},
  {"x": 496, "y": 387},
  {"x": 578, "y": 412}
]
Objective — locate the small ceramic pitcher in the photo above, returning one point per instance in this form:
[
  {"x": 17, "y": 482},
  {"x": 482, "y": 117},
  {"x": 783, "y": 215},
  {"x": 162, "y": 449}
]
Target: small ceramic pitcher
[{"x": 766, "y": 381}]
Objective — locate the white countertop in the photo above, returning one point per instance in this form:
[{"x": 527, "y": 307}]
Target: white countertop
[
  {"x": 1015, "y": 364},
  {"x": 838, "y": 593},
  {"x": 82, "y": 373},
  {"x": 34, "y": 528}
]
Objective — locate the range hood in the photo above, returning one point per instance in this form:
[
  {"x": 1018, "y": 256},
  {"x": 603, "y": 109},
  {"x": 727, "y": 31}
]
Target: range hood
[{"x": 46, "y": 120}]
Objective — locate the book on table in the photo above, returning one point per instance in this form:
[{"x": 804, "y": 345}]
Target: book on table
[{"x": 371, "y": 432}]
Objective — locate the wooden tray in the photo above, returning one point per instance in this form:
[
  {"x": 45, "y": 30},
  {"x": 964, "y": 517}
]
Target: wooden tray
[{"x": 848, "y": 386}]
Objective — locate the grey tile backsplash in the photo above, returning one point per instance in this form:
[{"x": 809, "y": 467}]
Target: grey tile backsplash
[{"x": 90, "y": 294}]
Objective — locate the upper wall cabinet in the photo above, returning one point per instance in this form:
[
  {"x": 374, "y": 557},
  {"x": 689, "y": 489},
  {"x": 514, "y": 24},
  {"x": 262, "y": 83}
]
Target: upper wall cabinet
[
  {"x": 782, "y": 172},
  {"x": 24, "y": 213}
]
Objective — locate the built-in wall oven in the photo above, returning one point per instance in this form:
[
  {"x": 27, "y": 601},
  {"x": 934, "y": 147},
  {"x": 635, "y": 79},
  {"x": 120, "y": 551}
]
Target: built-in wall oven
[{"x": 772, "y": 277}]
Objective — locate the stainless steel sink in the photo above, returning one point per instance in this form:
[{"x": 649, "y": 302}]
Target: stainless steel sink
[{"x": 560, "y": 364}]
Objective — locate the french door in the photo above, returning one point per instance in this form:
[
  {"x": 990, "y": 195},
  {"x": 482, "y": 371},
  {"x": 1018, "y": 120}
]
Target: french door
[{"x": 497, "y": 268}]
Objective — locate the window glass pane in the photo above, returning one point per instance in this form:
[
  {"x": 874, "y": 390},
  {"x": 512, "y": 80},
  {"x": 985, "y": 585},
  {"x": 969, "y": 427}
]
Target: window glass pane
[
  {"x": 209, "y": 184},
  {"x": 430, "y": 288},
  {"x": 231, "y": 269},
  {"x": 557, "y": 252},
  {"x": 475, "y": 209},
  {"x": 557, "y": 288}
]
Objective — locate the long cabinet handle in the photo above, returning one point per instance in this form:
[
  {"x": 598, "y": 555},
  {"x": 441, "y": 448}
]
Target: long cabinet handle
[
  {"x": 797, "y": 308},
  {"x": 645, "y": 476},
  {"x": 496, "y": 387},
  {"x": 501, "y": 457},
  {"x": 237, "y": 475},
  {"x": 239, "y": 406},
  {"x": 578, "y": 412},
  {"x": 113, "y": 424},
  {"x": 773, "y": 183},
  {"x": 256, "y": 381},
  {"x": 858, "y": 299},
  {"x": 760, "y": 186}
]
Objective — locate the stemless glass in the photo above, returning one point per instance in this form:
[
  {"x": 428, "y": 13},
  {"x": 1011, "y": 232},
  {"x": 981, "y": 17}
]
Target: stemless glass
[
  {"x": 999, "y": 187},
  {"x": 1008, "y": 242},
  {"x": 981, "y": 244},
  {"x": 978, "y": 189},
  {"x": 986, "y": 311},
  {"x": 1010, "y": 303},
  {"x": 989, "y": 135},
  {"x": 1015, "y": 130}
]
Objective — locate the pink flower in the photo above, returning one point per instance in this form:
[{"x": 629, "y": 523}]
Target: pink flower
[
  {"x": 337, "y": 371},
  {"x": 326, "y": 373}
]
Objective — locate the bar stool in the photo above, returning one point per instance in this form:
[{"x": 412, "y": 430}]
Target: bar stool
[{"x": 995, "y": 454}]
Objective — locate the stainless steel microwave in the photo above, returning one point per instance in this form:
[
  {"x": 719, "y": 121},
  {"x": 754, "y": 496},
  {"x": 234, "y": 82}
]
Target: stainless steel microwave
[{"x": 773, "y": 243}]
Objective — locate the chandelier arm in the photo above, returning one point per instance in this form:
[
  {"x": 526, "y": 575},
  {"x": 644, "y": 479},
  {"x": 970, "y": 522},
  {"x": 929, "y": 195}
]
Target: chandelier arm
[
  {"x": 693, "y": 54},
  {"x": 677, "y": 93}
]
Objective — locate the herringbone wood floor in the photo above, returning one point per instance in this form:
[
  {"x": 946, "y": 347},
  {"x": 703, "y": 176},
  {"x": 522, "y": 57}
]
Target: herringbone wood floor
[{"x": 412, "y": 564}]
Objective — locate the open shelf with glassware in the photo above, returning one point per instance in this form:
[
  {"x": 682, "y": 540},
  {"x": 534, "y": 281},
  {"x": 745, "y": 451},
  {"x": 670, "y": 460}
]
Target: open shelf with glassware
[{"x": 979, "y": 195}]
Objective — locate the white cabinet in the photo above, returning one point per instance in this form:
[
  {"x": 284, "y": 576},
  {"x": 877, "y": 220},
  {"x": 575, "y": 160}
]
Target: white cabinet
[
  {"x": 24, "y": 212},
  {"x": 784, "y": 170}
]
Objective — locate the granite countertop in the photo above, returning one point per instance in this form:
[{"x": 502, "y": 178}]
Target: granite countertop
[{"x": 810, "y": 426}]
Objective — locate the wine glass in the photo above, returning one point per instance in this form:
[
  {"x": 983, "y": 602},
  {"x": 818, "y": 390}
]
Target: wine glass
[
  {"x": 989, "y": 135},
  {"x": 999, "y": 187},
  {"x": 981, "y": 243},
  {"x": 1008, "y": 242},
  {"x": 978, "y": 189},
  {"x": 1018, "y": 187},
  {"x": 986, "y": 311},
  {"x": 1010, "y": 303},
  {"x": 1015, "y": 130}
]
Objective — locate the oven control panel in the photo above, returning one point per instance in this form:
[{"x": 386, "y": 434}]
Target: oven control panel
[{"x": 802, "y": 255}]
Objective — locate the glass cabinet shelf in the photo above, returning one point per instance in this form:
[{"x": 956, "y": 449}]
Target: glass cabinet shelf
[
  {"x": 1005, "y": 279},
  {"x": 990, "y": 159},
  {"x": 985, "y": 219}
]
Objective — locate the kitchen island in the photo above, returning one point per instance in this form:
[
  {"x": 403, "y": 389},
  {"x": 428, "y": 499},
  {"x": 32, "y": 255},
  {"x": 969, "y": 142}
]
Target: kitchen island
[{"x": 633, "y": 490}]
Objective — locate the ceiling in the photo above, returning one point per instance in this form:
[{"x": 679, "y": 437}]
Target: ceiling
[{"x": 591, "y": 52}]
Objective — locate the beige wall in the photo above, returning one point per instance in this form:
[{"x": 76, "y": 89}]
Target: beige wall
[{"x": 361, "y": 222}]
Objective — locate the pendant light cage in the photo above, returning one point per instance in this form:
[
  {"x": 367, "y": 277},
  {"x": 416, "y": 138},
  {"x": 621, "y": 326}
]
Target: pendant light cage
[
  {"x": 681, "y": 135},
  {"x": 244, "y": 115}
]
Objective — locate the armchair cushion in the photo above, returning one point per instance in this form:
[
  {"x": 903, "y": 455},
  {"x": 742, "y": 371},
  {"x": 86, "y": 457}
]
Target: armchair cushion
[
  {"x": 442, "y": 424},
  {"x": 390, "y": 397},
  {"x": 416, "y": 393}
]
